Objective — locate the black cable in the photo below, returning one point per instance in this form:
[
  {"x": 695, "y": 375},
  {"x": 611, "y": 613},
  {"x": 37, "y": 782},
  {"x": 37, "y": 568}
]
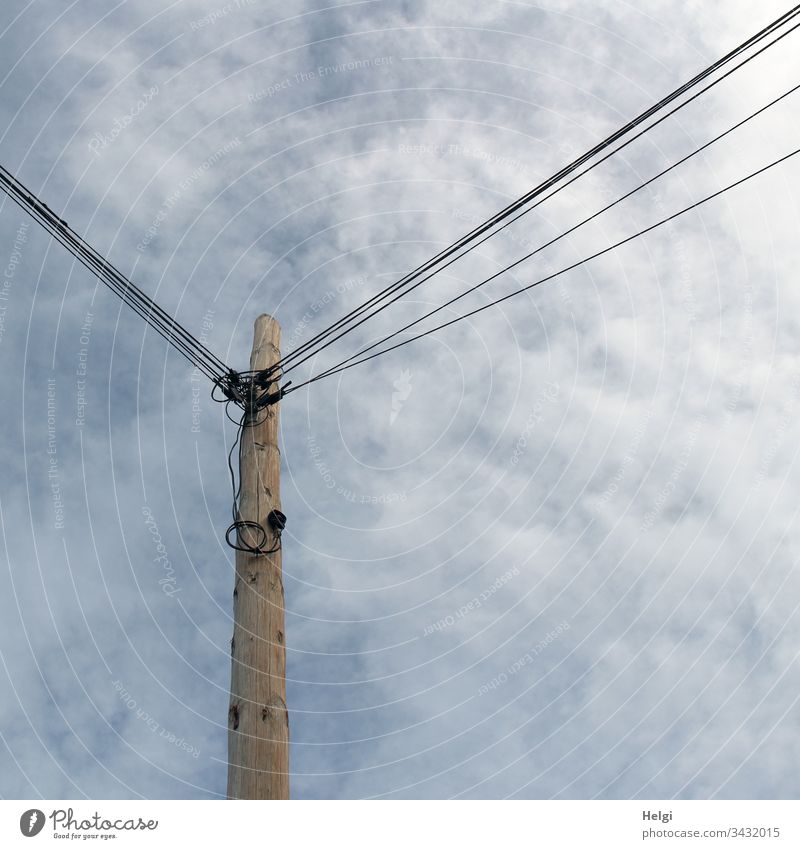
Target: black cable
[
  {"x": 134, "y": 297},
  {"x": 566, "y": 233},
  {"x": 353, "y": 314},
  {"x": 96, "y": 267},
  {"x": 524, "y": 212},
  {"x": 238, "y": 525},
  {"x": 168, "y": 329},
  {"x": 555, "y": 274},
  {"x": 87, "y": 262},
  {"x": 114, "y": 279}
]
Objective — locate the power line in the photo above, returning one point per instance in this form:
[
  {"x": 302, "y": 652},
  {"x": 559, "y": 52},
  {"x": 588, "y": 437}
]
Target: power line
[
  {"x": 574, "y": 265},
  {"x": 244, "y": 388},
  {"x": 180, "y": 338},
  {"x": 130, "y": 294},
  {"x": 387, "y": 292},
  {"x": 566, "y": 233},
  {"x": 304, "y": 350}
]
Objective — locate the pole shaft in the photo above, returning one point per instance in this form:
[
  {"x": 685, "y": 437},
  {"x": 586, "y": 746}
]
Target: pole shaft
[{"x": 258, "y": 722}]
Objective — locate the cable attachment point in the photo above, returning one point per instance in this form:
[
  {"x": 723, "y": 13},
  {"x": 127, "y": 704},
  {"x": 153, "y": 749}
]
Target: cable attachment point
[
  {"x": 267, "y": 399},
  {"x": 250, "y": 390},
  {"x": 231, "y": 387}
]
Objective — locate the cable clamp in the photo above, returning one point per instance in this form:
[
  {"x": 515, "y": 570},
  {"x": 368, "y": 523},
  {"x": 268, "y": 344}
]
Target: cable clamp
[{"x": 270, "y": 398}]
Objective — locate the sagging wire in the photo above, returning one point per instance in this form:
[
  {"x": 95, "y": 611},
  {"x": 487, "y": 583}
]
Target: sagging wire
[{"x": 253, "y": 393}]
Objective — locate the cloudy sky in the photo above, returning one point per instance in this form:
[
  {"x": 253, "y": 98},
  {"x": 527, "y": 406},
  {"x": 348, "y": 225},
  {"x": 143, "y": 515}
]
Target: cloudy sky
[{"x": 548, "y": 552}]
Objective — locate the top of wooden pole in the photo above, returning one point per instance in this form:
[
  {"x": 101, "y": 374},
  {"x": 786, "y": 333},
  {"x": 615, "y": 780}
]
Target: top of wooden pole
[{"x": 266, "y": 334}]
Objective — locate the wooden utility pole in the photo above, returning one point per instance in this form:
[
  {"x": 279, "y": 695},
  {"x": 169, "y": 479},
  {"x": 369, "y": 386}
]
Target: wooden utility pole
[{"x": 258, "y": 722}]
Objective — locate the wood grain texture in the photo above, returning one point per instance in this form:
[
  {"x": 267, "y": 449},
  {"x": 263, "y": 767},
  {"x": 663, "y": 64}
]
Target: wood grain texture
[{"x": 258, "y": 722}]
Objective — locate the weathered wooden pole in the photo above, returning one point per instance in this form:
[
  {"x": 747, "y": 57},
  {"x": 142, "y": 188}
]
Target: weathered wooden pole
[{"x": 258, "y": 722}]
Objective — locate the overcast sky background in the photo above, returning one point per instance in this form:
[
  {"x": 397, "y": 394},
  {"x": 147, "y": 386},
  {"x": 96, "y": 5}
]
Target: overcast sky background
[{"x": 607, "y": 463}]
